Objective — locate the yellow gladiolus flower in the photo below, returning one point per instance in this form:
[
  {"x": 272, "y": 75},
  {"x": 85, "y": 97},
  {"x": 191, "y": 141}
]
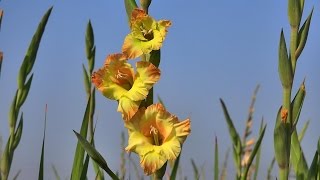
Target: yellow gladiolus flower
[
  {"x": 156, "y": 136},
  {"x": 118, "y": 81},
  {"x": 146, "y": 34}
]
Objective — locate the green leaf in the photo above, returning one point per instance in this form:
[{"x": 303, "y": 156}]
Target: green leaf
[
  {"x": 285, "y": 67},
  {"x": 297, "y": 103},
  {"x": 41, "y": 172},
  {"x": 90, "y": 47},
  {"x": 237, "y": 147},
  {"x": 254, "y": 152},
  {"x": 303, "y": 131},
  {"x": 281, "y": 141},
  {"x": 130, "y": 5},
  {"x": 312, "y": 174},
  {"x": 195, "y": 170},
  {"x": 85, "y": 168},
  {"x": 24, "y": 92},
  {"x": 216, "y": 159},
  {"x": 1, "y": 16},
  {"x": 56, "y": 174},
  {"x": 1, "y": 59},
  {"x": 79, "y": 154},
  {"x": 18, "y": 133},
  {"x": 269, "y": 177},
  {"x": 257, "y": 163},
  {"x": 303, "y": 35},
  {"x": 35, "y": 42},
  {"x": 175, "y": 168},
  {"x": 95, "y": 155},
  {"x": 87, "y": 82},
  {"x": 17, "y": 175}
]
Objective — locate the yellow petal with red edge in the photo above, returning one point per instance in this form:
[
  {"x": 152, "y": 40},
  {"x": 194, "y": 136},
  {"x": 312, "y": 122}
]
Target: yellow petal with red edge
[
  {"x": 182, "y": 130},
  {"x": 147, "y": 75},
  {"x": 108, "y": 89},
  {"x": 132, "y": 47}
]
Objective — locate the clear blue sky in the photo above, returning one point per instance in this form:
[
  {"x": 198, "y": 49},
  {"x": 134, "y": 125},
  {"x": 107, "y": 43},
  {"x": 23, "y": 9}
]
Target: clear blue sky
[{"x": 214, "y": 49}]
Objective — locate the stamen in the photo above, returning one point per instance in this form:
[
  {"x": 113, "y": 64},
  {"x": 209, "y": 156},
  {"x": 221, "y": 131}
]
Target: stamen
[
  {"x": 154, "y": 132},
  {"x": 121, "y": 75}
]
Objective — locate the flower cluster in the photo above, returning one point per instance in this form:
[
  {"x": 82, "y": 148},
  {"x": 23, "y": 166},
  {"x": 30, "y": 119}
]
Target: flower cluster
[{"x": 154, "y": 134}]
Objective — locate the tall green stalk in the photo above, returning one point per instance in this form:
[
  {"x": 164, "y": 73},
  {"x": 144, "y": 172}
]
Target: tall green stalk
[
  {"x": 287, "y": 115},
  {"x": 24, "y": 84}
]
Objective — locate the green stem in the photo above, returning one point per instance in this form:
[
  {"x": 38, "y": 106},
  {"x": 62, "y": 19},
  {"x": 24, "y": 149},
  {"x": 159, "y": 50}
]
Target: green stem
[
  {"x": 293, "y": 47},
  {"x": 284, "y": 174}
]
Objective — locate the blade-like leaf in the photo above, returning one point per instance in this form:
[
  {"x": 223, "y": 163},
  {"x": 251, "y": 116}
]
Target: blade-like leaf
[
  {"x": 297, "y": 103},
  {"x": 1, "y": 59},
  {"x": 95, "y": 155},
  {"x": 312, "y": 174},
  {"x": 17, "y": 175},
  {"x": 237, "y": 147},
  {"x": 55, "y": 171},
  {"x": 35, "y": 42},
  {"x": 284, "y": 66},
  {"x": 216, "y": 159},
  {"x": 303, "y": 131},
  {"x": 253, "y": 154},
  {"x": 269, "y": 176},
  {"x": 175, "y": 168},
  {"x": 87, "y": 82},
  {"x": 40, "y": 177},
  {"x": 85, "y": 168},
  {"x": 195, "y": 170},
  {"x": 79, "y": 154},
  {"x": 1, "y": 16},
  {"x": 303, "y": 35},
  {"x": 18, "y": 133},
  {"x": 257, "y": 163}
]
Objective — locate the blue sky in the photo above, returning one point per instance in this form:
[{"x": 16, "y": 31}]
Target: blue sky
[{"x": 214, "y": 49}]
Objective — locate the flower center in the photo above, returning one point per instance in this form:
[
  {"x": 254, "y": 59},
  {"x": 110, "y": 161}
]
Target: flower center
[
  {"x": 154, "y": 132},
  {"x": 121, "y": 75},
  {"x": 148, "y": 34}
]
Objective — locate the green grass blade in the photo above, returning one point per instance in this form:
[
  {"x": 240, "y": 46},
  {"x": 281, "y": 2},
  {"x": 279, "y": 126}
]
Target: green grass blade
[
  {"x": 303, "y": 35},
  {"x": 17, "y": 175},
  {"x": 237, "y": 147},
  {"x": 195, "y": 170},
  {"x": 174, "y": 171},
  {"x": 79, "y": 154},
  {"x": 312, "y": 174},
  {"x": 257, "y": 163},
  {"x": 55, "y": 172},
  {"x": 95, "y": 155},
  {"x": 41, "y": 172},
  {"x": 254, "y": 152},
  {"x": 303, "y": 131},
  {"x": 269, "y": 176},
  {"x": 223, "y": 174},
  {"x": 85, "y": 168},
  {"x": 216, "y": 159},
  {"x": 1, "y": 59},
  {"x": 1, "y": 16}
]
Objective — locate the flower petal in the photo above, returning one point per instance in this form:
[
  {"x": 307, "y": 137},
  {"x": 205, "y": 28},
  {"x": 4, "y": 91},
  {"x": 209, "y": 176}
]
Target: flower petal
[
  {"x": 115, "y": 78},
  {"x": 128, "y": 107},
  {"x": 147, "y": 75},
  {"x": 182, "y": 130},
  {"x": 132, "y": 47},
  {"x": 153, "y": 160}
]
